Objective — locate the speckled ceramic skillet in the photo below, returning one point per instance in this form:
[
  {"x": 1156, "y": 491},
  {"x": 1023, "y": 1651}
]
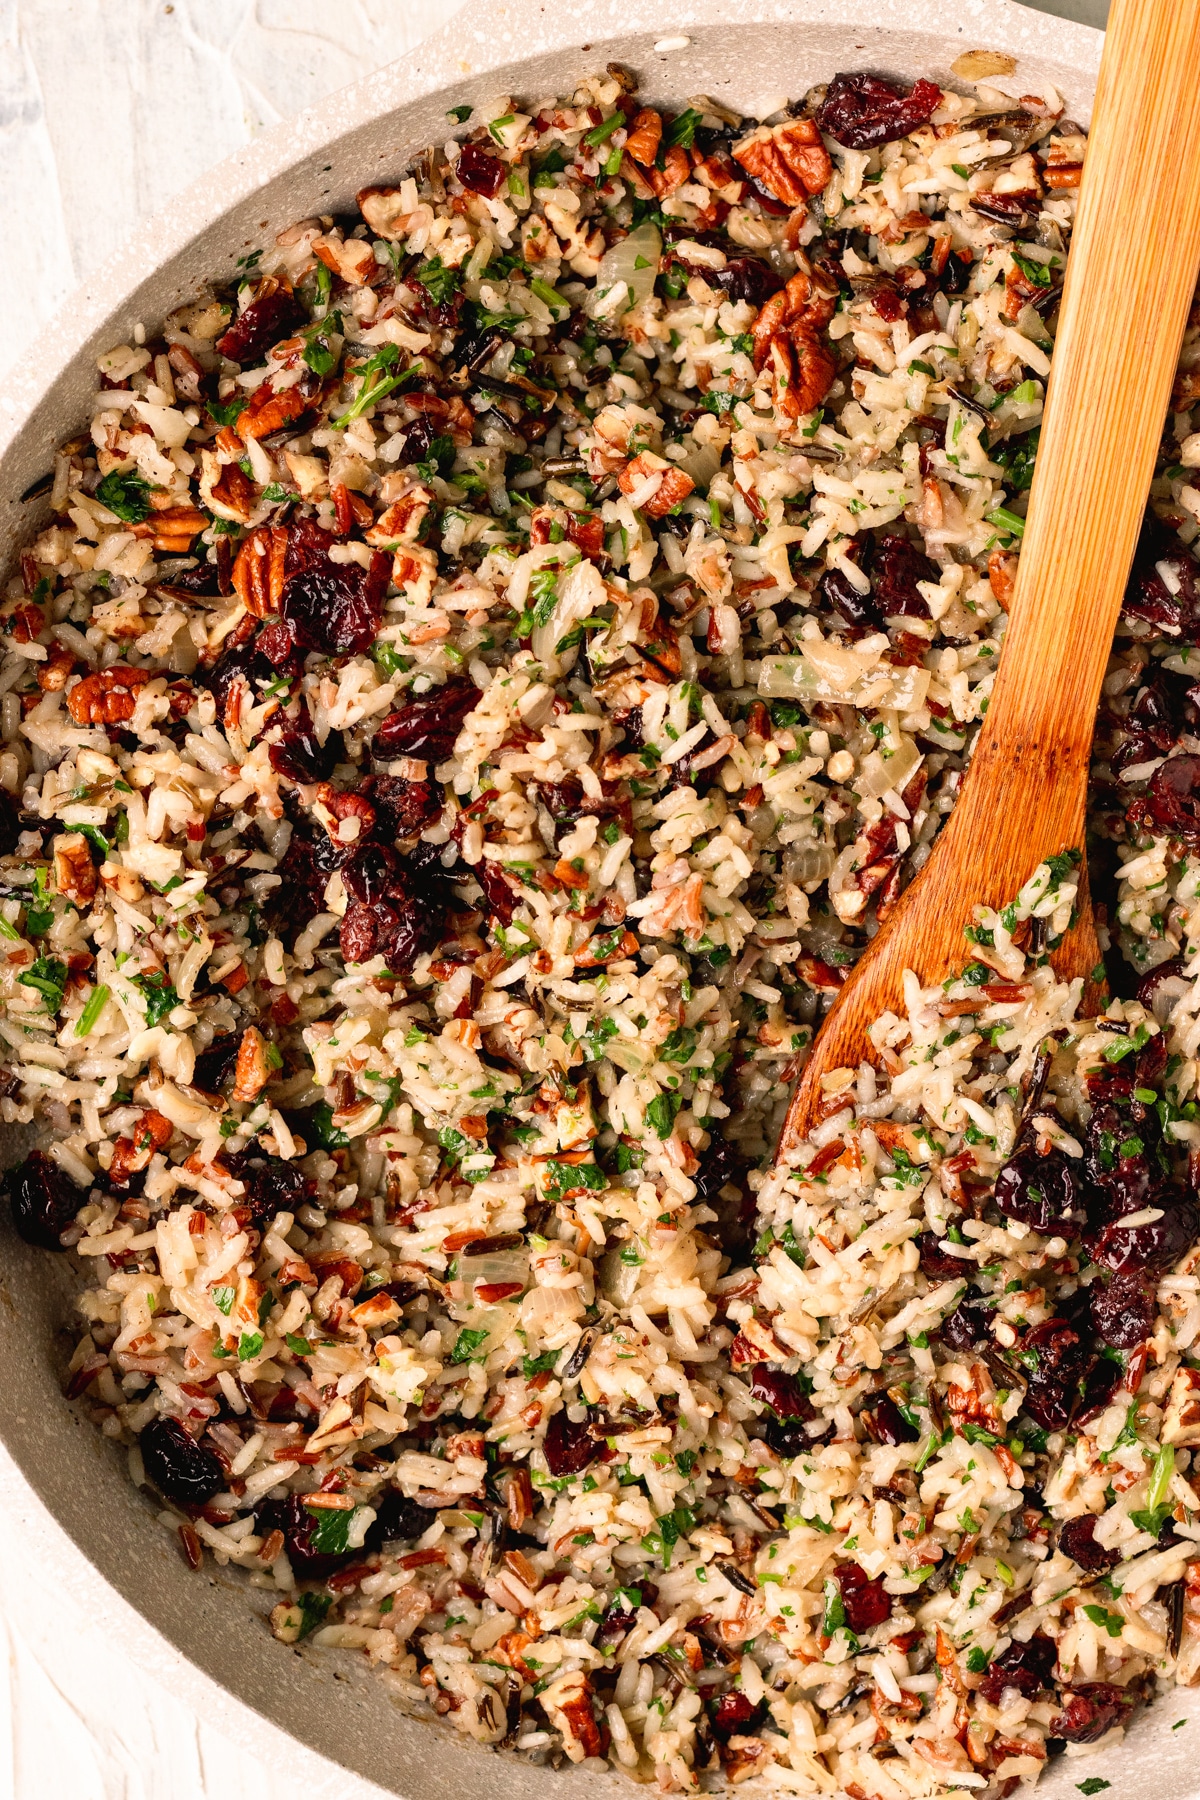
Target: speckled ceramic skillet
[{"x": 78, "y": 1513}]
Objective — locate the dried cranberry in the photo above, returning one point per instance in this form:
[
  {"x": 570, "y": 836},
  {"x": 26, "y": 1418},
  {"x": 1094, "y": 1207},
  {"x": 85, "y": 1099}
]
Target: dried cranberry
[
  {"x": 886, "y": 1424},
  {"x": 215, "y": 1066},
  {"x": 745, "y": 278},
  {"x": 482, "y": 173},
  {"x": 402, "y": 807},
  {"x": 1038, "y": 1190},
  {"x": 837, "y": 590},
  {"x": 500, "y": 898},
  {"x": 203, "y": 579},
  {"x": 310, "y": 859},
  {"x": 1151, "y": 1248},
  {"x": 1027, "y": 1667},
  {"x": 1147, "y": 595},
  {"x": 615, "y": 1621},
  {"x": 427, "y": 727},
  {"x": 297, "y": 1522},
  {"x": 183, "y": 1471},
  {"x": 1172, "y": 804},
  {"x": 1123, "y": 1311},
  {"x": 373, "y": 873},
  {"x": 300, "y": 756},
  {"x": 44, "y": 1200},
  {"x": 1055, "y": 1359},
  {"x": 358, "y": 936},
  {"x": 399, "y": 929},
  {"x": 1155, "y": 710},
  {"x": 1122, "y": 1178},
  {"x": 790, "y": 1410},
  {"x": 569, "y": 1447},
  {"x": 397, "y": 1518},
  {"x": 418, "y": 438},
  {"x": 723, "y": 1163},
  {"x": 1100, "y": 1384},
  {"x": 337, "y": 609},
  {"x": 1077, "y": 1539},
  {"x": 862, "y": 111},
  {"x": 968, "y": 1324},
  {"x": 1152, "y": 1061},
  {"x": 736, "y": 1715},
  {"x": 274, "y": 315},
  {"x": 272, "y": 1185},
  {"x": 781, "y": 1392},
  {"x": 887, "y": 302},
  {"x": 10, "y": 823},
  {"x": 937, "y": 1263},
  {"x": 238, "y": 659},
  {"x": 864, "y": 1601},
  {"x": 279, "y": 643},
  {"x": 896, "y": 567},
  {"x": 1089, "y": 1711}
]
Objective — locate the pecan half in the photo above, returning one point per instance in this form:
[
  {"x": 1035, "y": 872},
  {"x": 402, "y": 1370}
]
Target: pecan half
[
  {"x": 258, "y": 573},
  {"x": 787, "y": 337},
  {"x": 789, "y": 160},
  {"x": 107, "y": 698}
]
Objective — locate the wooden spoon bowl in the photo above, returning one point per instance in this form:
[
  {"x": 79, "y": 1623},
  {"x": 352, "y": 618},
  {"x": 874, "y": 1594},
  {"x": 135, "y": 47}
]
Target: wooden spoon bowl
[{"x": 1129, "y": 284}]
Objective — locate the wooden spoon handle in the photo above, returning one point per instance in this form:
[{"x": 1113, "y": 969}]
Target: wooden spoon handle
[
  {"x": 1129, "y": 284},
  {"x": 1123, "y": 314}
]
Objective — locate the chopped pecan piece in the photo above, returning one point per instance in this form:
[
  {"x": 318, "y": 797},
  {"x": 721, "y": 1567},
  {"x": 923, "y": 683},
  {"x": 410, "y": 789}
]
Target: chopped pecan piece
[
  {"x": 350, "y": 816},
  {"x": 381, "y": 208},
  {"x": 675, "y": 171},
  {"x": 645, "y": 135},
  {"x": 107, "y": 698},
  {"x": 132, "y": 1154},
  {"x": 673, "y": 486},
  {"x": 226, "y": 489},
  {"x": 74, "y": 871},
  {"x": 186, "y": 371},
  {"x": 269, "y": 411},
  {"x": 567, "y": 1703},
  {"x": 54, "y": 673},
  {"x": 253, "y": 1069},
  {"x": 1002, "y": 576},
  {"x": 172, "y": 528},
  {"x": 353, "y": 260}
]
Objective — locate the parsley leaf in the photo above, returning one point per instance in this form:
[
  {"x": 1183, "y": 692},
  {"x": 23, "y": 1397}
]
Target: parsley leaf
[
  {"x": 48, "y": 977},
  {"x": 125, "y": 495},
  {"x": 160, "y": 996},
  {"x": 467, "y": 1346},
  {"x": 439, "y": 282}
]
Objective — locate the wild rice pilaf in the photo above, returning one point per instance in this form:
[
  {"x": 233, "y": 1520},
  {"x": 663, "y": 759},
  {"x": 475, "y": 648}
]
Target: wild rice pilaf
[{"x": 491, "y": 666}]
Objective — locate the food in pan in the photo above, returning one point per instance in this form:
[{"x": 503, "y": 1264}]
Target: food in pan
[{"x": 492, "y": 662}]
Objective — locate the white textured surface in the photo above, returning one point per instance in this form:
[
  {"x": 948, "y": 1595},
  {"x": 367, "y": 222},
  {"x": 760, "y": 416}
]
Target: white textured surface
[{"x": 108, "y": 108}]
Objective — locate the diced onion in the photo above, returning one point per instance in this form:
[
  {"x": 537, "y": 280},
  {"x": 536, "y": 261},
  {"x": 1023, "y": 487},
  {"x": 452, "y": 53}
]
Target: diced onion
[{"x": 634, "y": 260}]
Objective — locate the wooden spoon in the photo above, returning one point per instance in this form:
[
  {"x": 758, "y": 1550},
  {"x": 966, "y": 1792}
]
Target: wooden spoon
[{"x": 1130, "y": 280}]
